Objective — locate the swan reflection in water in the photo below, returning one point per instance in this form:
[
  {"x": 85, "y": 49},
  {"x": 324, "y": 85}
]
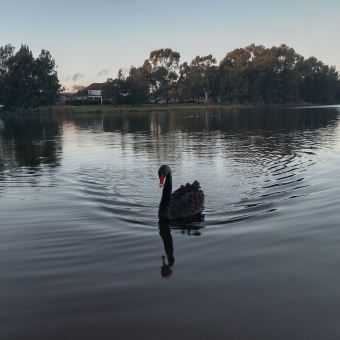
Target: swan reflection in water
[
  {"x": 187, "y": 226},
  {"x": 165, "y": 233}
]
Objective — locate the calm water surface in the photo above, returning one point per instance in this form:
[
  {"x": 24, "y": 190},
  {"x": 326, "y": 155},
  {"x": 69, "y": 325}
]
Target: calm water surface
[{"x": 81, "y": 246}]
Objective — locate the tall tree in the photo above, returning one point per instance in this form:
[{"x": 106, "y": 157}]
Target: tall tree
[
  {"x": 6, "y": 52},
  {"x": 234, "y": 70},
  {"x": 114, "y": 89},
  {"x": 47, "y": 87},
  {"x": 184, "y": 82},
  {"x": 205, "y": 73},
  {"x": 164, "y": 63},
  {"x": 288, "y": 77},
  {"x": 321, "y": 82},
  {"x": 26, "y": 81},
  {"x": 21, "y": 78},
  {"x": 138, "y": 84},
  {"x": 261, "y": 87}
]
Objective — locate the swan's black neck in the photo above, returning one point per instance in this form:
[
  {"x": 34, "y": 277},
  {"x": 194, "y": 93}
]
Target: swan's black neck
[
  {"x": 167, "y": 190},
  {"x": 166, "y": 197}
]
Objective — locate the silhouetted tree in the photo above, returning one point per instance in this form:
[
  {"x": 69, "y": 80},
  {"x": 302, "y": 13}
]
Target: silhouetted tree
[
  {"x": 114, "y": 89},
  {"x": 27, "y": 81}
]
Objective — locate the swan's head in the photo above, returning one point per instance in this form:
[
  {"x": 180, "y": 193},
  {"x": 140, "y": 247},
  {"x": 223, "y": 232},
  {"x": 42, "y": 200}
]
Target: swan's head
[{"x": 163, "y": 171}]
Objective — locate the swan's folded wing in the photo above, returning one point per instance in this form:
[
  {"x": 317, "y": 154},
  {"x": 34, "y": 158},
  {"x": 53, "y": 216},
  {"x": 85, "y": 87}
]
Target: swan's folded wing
[
  {"x": 184, "y": 189},
  {"x": 187, "y": 202}
]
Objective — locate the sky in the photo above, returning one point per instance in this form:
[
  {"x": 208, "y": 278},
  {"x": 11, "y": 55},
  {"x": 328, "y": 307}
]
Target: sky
[{"x": 91, "y": 40}]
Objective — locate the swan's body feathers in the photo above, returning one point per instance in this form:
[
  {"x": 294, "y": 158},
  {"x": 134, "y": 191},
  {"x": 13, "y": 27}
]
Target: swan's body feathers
[
  {"x": 184, "y": 189},
  {"x": 188, "y": 200}
]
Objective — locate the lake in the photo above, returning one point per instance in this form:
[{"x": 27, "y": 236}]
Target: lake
[{"x": 81, "y": 246}]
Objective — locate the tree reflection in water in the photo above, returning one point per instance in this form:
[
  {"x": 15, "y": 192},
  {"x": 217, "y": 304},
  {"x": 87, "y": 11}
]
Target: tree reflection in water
[{"x": 30, "y": 141}]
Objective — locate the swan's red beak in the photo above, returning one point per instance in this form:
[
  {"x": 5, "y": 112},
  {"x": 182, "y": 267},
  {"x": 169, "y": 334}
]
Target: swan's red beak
[{"x": 161, "y": 181}]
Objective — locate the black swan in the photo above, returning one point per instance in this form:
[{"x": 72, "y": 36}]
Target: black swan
[{"x": 186, "y": 201}]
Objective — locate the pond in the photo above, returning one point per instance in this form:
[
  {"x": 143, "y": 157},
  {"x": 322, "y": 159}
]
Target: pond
[{"x": 81, "y": 246}]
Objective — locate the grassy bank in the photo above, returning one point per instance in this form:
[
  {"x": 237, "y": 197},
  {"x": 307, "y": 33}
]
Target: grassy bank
[
  {"x": 144, "y": 108},
  {"x": 156, "y": 107}
]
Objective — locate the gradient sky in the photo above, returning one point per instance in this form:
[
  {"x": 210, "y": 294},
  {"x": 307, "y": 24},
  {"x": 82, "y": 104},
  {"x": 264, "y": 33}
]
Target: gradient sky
[{"x": 91, "y": 40}]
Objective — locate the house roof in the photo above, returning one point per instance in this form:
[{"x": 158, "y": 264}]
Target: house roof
[{"x": 94, "y": 86}]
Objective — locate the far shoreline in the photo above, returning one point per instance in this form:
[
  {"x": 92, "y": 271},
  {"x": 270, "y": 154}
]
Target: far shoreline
[
  {"x": 175, "y": 107},
  {"x": 100, "y": 109}
]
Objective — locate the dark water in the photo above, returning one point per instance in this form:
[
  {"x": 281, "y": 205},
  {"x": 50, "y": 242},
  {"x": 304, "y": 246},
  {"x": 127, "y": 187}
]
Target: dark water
[{"x": 81, "y": 247}]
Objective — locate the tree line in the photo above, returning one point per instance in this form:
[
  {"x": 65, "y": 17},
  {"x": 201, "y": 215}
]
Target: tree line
[
  {"x": 26, "y": 81},
  {"x": 254, "y": 74}
]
